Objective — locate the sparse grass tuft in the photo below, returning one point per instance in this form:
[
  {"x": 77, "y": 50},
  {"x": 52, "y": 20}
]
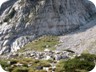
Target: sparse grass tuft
[{"x": 20, "y": 69}]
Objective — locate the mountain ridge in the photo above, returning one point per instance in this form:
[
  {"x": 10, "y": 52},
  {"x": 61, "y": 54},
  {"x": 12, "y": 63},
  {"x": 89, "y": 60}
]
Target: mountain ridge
[{"x": 24, "y": 20}]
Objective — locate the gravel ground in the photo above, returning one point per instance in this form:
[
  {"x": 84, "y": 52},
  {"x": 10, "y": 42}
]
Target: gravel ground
[{"x": 82, "y": 40}]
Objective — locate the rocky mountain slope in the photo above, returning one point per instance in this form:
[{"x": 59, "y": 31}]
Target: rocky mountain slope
[
  {"x": 82, "y": 40},
  {"x": 21, "y": 21}
]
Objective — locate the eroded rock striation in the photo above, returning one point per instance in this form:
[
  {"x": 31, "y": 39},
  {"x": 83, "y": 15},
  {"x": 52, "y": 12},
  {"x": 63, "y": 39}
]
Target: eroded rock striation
[{"x": 21, "y": 21}]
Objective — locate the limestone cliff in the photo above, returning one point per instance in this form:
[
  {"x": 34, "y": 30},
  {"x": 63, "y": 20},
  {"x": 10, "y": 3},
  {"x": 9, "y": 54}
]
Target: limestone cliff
[{"x": 21, "y": 21}]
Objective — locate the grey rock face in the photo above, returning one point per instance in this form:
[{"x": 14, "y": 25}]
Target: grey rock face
[
  {"x": 7, "y": 4},
  {"x": 23, "y": 20}
]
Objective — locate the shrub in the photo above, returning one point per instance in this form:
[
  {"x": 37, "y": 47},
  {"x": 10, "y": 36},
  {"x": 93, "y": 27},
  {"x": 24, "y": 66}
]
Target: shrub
[
  {"x": 13, "y": 61},
  {"x": 22, "y": 69},
  {"x": 84, "y": 63},
  {"x": 72, "y": 65},
  {"x": 88, "y": 57},
  {"x": 4, "y": 63}
]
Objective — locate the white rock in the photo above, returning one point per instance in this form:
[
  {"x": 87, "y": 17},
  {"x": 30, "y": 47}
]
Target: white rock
[
  {"x": 18, "y": 64},
  {"x": 5, "y": 42},
  {"x": 47, "y": 58},
  {"x": 46, "y": 68},
  {"x": 46, "y": 50},
  {"x": 2, "y": 70}
]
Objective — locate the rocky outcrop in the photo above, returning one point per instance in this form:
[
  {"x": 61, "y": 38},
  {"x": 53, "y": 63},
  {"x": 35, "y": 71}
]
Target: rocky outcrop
[
  {"x": 80, "y": 41},
  {"x": 6, "y": 4},
  {"x": 21, "y": 21}
]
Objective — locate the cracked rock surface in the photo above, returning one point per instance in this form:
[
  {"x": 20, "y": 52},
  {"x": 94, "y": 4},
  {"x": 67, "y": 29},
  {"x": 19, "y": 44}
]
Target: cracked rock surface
[{"x": 21, "y": 21}]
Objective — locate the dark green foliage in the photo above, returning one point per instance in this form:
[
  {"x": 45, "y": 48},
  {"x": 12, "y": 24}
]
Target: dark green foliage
[
  {"x": 4, "y": 63},
  {"x": 77, "y": 64},
  {"x": 83, "y": 63},
  {"x": 88, "y": 57},
  {"x": 13, "y": 62}
]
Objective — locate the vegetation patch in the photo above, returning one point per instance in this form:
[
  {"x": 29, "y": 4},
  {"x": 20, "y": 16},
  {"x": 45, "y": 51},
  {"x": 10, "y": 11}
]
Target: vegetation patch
[
  {"x": 24, "y": 65},
  {"x": 83, "y": 63},
  {"x": 41, "y": 43}
]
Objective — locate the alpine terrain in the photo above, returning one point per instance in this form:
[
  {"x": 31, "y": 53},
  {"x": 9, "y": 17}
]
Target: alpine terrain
[
  {"x": 22, "y": 21},
  {"x": 47, "y": 35}
]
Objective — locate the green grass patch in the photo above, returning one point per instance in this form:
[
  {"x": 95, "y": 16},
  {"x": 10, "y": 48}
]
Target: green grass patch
[
  {"x": 41, "y": 43},
  {"x": 60, "y": 66},
  {"x": 12, "y": 67}
]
